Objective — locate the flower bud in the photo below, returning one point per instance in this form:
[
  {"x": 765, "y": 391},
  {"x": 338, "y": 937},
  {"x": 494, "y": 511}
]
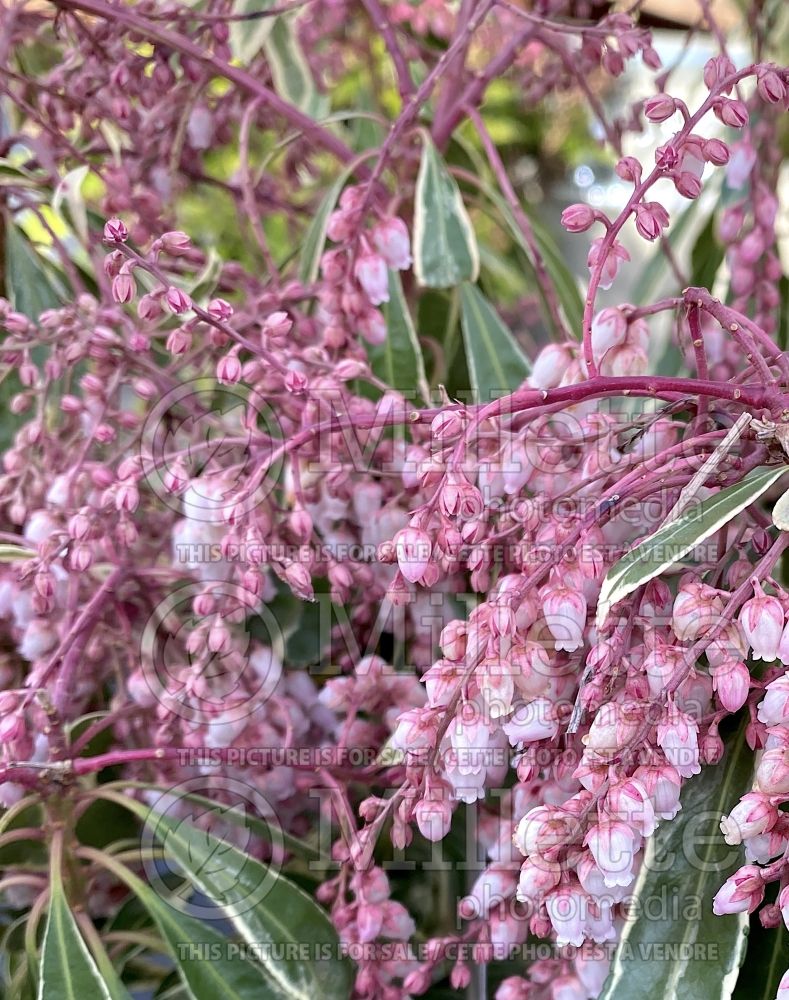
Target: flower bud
[
  {"x": 123, "y": 288},
  {"x": 175, "y": 243},
  {"x": 732, "y": 113},
  {"x": 177, "y": 300},
  {"x": 434, "y": 818},
  {"x": 716, "y": 70},
  {"x": 773, "y": 709},
  {"x": 772, "y": 772},
  {"x": 277, "y": 326},
  {"x": 565, "y": 615},
  {"x": 577, "y": 218},
  {"x": 771, "y": 87},
  {"x": 228, "y": 370},
  {"x": 716, "y": 151},
  {"x": 732, "y": 683},
  {"x": 660, "y": 107},
  {"x": 220, "y": 310},
  {"x": 629, "y": 169},
  {"x": 115, "y": 231},
  {"x": 740, "y": 893},
  {"x": 753, "y": 815}
]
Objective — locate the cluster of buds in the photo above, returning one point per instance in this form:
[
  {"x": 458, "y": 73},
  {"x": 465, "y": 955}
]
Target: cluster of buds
[{"x": 356, "y": 274}]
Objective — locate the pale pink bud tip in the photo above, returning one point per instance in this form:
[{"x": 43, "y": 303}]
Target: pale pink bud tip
[{"x": 277, "y": 325}]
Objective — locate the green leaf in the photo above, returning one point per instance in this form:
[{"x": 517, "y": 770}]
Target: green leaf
[
  {"x": 247, "y": 37},
  {"x": 263, "y": 906},
  {"x": 290, "y": 69},
  {"x": 11, "y": 553},
  {"x": 672, "y": 945},
  {"x": 315, "y": 237},
  {"x": 496, "y": 363},
  {"x": 210, "y": 965},
  {"x": 29, "y": 287},
  {"x": 253, "y": 823},
  {"x": 783, "y": 323},
  {"x": 706, "y": 257},
  {"x": 564, "y": 281},
  {"x": 398, "y": 361},
  {"x": 67, "y": 970},
  {"x": 69, "y": 193},
  {"x": 445, "y": 247},
  {"x": 674, "y": 540},
  {"x": 765, "y": 962}
]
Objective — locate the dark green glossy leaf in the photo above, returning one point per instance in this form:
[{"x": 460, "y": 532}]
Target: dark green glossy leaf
[
  {"x": 67, "y": 970},
  {"x": 29, "y": 287},
  {"x": 766, "y": 960},
  {"x": 265, "y": 908},
  {"x": 706, "y": 257},
  {"x": 496, "y": 363},
  {"x": 562, "y": 278},
  {"x": 210, "y": 965}
]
